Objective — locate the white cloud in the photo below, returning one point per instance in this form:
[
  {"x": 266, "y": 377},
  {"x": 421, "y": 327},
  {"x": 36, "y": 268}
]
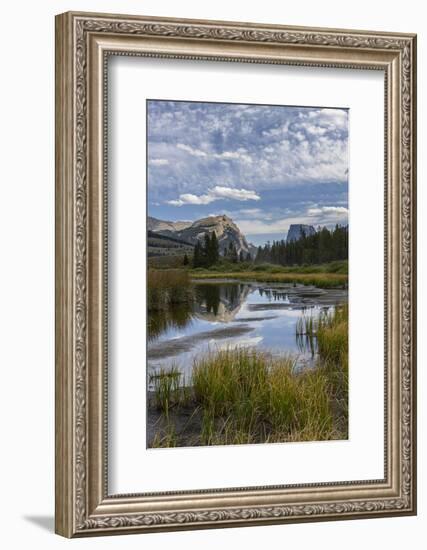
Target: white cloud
[
  {"x": 158, "y": 162},
  {"x": 240, "y": 154},
  {"x": 216, "y": 193},
  {"x": 191, "y": 151},
  {"x": 236, "y": 155},
  {"x": 335, "y": 209},
  {"x": 330, "y": 210},
  {"x": 315, "y": 130},
  {"x": 237, "y": 194},
  {"x": 327, "y": 119},
  {"x": 263, "y": 147},
  {"x": 189, "y": 198},
  {"x": 251, "y": 211},
  {"x": 278, "y": 131}
]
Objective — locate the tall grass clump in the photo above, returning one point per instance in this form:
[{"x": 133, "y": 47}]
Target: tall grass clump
[
  {"x": 248, "y": 396},
  {"x": 332, "y": 336},
  {"x": 167, "y": 438},
  {"x": 167, "y": 288},
  {"x": 170, "y": 389},
  {"x": 166, "y": 388},
  {"x": 306, "y": 326},
  {"x": 305, "y": 332},
  {"x": 332, "y": 346}
]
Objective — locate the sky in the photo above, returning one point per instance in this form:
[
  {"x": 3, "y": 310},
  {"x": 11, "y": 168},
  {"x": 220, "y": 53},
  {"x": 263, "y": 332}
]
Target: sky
[{"x": 264, "y": 166}]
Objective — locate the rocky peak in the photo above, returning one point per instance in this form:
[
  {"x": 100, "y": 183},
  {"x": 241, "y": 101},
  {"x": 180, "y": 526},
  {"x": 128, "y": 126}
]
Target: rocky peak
[
  {"x": 296, "y": 231},
  {"x": 225, "y": 229}
]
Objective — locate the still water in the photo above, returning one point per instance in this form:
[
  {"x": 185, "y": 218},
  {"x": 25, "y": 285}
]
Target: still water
[{"x": 228, "y": 314}]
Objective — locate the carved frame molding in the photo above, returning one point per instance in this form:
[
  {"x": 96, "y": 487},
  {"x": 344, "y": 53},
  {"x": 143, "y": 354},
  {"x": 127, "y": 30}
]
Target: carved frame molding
[{"x": 83, "y": 41}]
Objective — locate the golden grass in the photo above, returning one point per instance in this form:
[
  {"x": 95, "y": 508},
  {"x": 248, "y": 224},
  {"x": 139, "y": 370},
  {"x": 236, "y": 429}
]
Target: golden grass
[
  {"x": 332, "y": 336},
  {"x": 167, "y": 287},
  {"x": 249, "y": 396},
  {"x": 321, "y": 280}
]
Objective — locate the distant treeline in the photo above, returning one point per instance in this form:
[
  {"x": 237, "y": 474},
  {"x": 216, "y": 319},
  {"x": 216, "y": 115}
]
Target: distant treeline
[{"x": 322, "y": 247}]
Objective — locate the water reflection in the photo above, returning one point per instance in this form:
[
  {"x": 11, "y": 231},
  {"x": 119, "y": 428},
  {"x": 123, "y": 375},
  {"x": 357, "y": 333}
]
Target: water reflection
[
  {"x": 219, "y": 302},
  {"x": 274, "y": 295},
  {"x": 306, "y": 343},
  {"x": 159, "y": 322},
  {"x": 229, "y": 314},
  {"x": 215, "y": 303}
]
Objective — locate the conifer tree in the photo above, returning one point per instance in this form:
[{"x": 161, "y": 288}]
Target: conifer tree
[
  {"x": 326, "y": 245},
  {"x": 207, "y": 252},
  {"x": 197, "y": 257},
  {"x": 233, "y": 253},
  {"x": 214, "y": 249}
]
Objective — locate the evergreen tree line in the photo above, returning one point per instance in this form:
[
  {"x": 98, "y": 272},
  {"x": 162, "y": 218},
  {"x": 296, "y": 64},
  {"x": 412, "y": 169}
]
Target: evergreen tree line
[
  {"x": 230, "y": 254},
  {"x": 324, "y": 246},
  {"x": 207, "y": 253}
]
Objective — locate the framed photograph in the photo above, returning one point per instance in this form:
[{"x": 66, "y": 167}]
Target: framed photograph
[{"x": 235, "y": 274}]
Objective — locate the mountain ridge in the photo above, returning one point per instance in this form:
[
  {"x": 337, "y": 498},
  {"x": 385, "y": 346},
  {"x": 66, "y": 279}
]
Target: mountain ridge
[
  {"x": 154, "y": 224},
  {"x": 227, "y": 232}
]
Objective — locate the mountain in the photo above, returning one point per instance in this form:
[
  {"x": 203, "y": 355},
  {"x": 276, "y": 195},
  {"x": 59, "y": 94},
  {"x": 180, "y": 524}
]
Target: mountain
[
  {"x": 296, "y": 231},
  {"x": 163, "y": 245},
  {"x": 153, "y": 224},
  {"x": 226, "y": 231}
]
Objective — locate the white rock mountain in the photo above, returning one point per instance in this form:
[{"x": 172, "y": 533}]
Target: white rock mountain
[{"x": 226, "y": 231}]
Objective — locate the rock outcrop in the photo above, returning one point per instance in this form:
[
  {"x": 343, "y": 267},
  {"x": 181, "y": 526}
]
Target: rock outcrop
[
  {"x": 297, "y": 230},
  {"x": 226, "y": 231}
]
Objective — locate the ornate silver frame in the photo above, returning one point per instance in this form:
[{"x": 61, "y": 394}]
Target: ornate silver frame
[{"x": 83, "y": 505}]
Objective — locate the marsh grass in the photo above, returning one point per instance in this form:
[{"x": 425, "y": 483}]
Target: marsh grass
[
  {"x": 168, "y": 287},
  {"x": 305, "y": 333},
  {"x": 170, "y": 389},
  {"x": 306, "y": 325},
  {"x": 332, "y": 336},
  {"x": 166, "y": 388},
  {"x": 332, "y": 344},
  {"x": 168, "y": 438},
  {"x": 320, "y": 280},
  {"x": 248, "y": 396},
  {"x": 338, "y": 266}
]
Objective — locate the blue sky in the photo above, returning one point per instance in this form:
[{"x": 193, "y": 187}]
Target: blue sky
[{"x": 264, "y": 166}]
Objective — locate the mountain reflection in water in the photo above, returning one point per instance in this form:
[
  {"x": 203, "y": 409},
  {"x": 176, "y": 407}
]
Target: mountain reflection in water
[{"x": 229, "y": 314}]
